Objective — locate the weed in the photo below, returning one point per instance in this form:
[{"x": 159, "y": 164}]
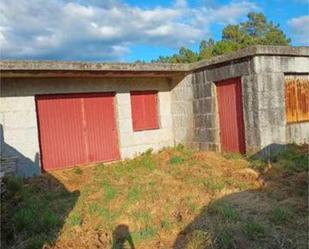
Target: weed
[
  {"x": 225, "y": 240},
  {"x": 142, "y": 217},
  {"x": 176, "y": 160},
  {"x": 134, "y": 193},
  {"x": 281, "y": 215},
  {"x": 258, "y": 165},
  {"x": 24, "y": 218},
  {"x": 254, "y": 230},
  {"x": 75, "y": 219},
  {"x": 147, "y": 160},
  {"x": 213, "y": 185},
  {"x": 225, "y": 210},
  {"x": 77, "y": 170},
  {"x": 198, "y": 239},
  {"x": 13, "y": 184},
  {"x": 232, "y": 155},
  {"x": 147, "y": 233},
  {"x": 166, "y": 224},
  {"x": 109, "y": 191},
  {"x": 50, "y": 220}
]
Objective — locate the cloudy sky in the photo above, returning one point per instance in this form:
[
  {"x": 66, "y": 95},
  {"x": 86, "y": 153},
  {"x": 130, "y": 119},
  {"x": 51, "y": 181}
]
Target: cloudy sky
[{"x": 127, "y": 30}]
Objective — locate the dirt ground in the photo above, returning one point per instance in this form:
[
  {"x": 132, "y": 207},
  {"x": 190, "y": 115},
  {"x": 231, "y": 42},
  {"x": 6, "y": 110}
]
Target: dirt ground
[{"x": 176, "y": 198}]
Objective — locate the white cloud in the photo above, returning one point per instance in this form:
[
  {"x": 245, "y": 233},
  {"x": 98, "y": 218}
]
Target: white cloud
[
  {"x": 300, "y": 29},
  {"x": 104, "y": 30}
]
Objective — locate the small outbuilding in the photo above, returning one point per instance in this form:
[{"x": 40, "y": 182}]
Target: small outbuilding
[{"x": 56, "y": 115}]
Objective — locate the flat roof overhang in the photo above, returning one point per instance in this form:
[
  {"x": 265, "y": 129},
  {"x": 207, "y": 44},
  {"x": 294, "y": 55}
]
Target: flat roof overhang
[
  {"x": 28, "y": 68},
  {"x": 25, "y": 69}
]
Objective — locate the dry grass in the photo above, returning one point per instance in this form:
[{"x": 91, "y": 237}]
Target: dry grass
[{"x": 176, "y": 198}]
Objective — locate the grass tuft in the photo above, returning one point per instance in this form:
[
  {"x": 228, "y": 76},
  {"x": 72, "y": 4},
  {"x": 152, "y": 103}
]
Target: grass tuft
[
  {"x": 225, "y": 240},
  {"x": 280, "y": 215},
  {"x": 254, "y": 230},
  {"x": 75, "y": 219},
  {"x": 176, "y": 160},
  {"x": 225, "y": 210},
  {"x": 77, "y": 170},
  {"x": 109, "y": 191}
]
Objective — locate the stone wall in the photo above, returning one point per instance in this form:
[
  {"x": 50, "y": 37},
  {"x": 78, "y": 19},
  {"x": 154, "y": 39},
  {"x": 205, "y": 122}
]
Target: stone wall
[{"x": 19, "y": 122}]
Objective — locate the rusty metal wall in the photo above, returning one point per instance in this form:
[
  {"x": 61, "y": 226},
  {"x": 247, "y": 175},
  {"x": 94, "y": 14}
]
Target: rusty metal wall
[{"x": 297, "y": 98}]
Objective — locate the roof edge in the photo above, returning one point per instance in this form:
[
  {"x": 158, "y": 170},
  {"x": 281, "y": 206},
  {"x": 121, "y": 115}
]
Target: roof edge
[
  {"x": 33, "y": 65},
  {"x": 251, "y": 51}
]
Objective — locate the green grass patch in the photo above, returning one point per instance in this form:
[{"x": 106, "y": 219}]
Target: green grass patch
[
  {"x": 75, "y": 219},
  {"x": 109, "y": 191},
  {"x": 77, "y": 170},
  {"x": 147, "y": 233},
  {"x": 213, "y": 184},
  {"x": 225, "y": 210},
  {"x": 281, "y": 215},
  {"x": 174, "y": 160},
  {"x": 225, "y": 240},
  {"x": 134, "y": 193},
  {"x": 254, "y": 230},
  {"x": 147, "y": 160},
  {"x": 232, "y": 155}
]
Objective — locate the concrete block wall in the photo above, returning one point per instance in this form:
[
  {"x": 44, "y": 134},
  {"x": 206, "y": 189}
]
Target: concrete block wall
[
  {"x": 19, "y": 123},
  {"x": 206, "y": 116},
  {"x": 263, "y": 97},
  {"x": 182, "y": 110},
  {"x": 206, "y": 127},
  {"x": 269, "y": 74}
]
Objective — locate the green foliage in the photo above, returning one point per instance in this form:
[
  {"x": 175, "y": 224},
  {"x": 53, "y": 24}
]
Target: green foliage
[
  {"x": 257, "y": 30},
  {"x": 147, "y": 160},
  {"x": 254, "y": 230},
  {"x": 134, "y": 193},
  {"x": 213, "y": 184},
  {"x": 109, "y": 191},
  {"x": 77, "y": 171},
  {"x": 225, "y": 240},
  {"x": 280, "y": 215},
  {"x": 144, "y": 234},
  {"x": 176, "y": 160},
  {"x": 225, "y": 210},
  {"x": 75, "y": 219}
]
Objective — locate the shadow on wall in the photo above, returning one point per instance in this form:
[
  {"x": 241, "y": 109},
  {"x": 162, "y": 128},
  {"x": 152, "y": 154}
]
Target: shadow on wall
[
  {"x": 34, "y": 210},
  {"x": 25, "y": 166},
  {"x": 272, "y": 216}
]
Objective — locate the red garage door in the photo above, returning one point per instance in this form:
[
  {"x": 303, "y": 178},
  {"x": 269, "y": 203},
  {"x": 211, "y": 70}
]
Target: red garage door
[
  {"x": 76, "y": 129},
  {"x": 230, "y": 115}
]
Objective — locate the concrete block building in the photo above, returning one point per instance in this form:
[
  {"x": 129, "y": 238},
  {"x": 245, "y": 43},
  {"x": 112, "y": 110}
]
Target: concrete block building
[{"x": 56, "y": 115}]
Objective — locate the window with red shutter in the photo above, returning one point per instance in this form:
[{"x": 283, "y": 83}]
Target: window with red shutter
[{"x": 144, "y": 110}]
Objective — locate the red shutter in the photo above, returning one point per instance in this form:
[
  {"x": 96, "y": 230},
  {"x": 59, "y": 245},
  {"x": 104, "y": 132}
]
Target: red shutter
[{"x": 144, "y": 110}]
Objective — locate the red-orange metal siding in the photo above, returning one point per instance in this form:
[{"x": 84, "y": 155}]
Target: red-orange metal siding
[
  {"x": 144, "y": 110},
  {"x": 231, "y": 115},
  {"x": 76, "y": 129},
  {"x": 297, "y": 98}
]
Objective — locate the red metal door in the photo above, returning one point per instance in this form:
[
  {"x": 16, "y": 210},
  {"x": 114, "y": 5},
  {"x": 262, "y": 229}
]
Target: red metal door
[
  {"x": 101, "y": 127},
  {"x": 231, "y": 115},
  {"x": 76, "y": 129}
]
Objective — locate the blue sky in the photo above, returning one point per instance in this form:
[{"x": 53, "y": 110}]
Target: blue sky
[{"x": 128, "y": 30}]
